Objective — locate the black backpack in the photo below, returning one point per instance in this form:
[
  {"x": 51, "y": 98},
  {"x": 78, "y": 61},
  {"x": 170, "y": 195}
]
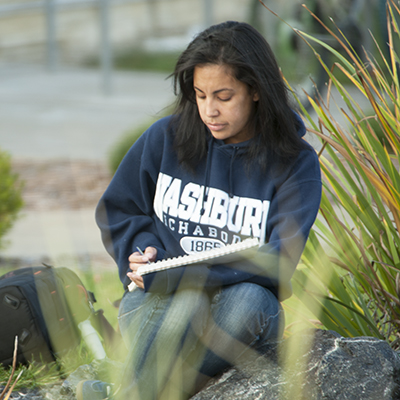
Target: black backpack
[{"x": 43, "y": 307}]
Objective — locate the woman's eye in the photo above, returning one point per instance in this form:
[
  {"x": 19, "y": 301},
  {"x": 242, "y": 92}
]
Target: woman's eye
[{"x": 225, "y": 99}]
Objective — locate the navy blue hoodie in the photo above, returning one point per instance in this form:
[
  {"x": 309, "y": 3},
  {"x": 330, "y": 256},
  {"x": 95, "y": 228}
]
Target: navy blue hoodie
[{"x": 153, "y": 201}]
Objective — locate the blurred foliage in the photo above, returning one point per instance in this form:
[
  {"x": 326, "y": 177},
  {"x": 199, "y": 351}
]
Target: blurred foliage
[
  {"x": 350, "y": 276},
  {"x": 146, "y": 61},
  {"x": 10, "y": 195}
]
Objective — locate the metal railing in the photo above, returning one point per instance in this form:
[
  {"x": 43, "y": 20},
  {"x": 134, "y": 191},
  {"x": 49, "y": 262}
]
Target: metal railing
[{"x": 50, "y": 9}]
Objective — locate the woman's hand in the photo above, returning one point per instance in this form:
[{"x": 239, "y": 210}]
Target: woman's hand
[{"x": 136, "y": 260}]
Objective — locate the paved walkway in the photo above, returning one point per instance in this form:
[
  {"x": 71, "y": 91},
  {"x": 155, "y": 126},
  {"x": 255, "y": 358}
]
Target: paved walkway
[{"x": 65, "y": 115}]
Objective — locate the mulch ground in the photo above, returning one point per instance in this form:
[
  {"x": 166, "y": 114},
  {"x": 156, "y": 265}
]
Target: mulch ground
[{"x": 62, "y": 184}]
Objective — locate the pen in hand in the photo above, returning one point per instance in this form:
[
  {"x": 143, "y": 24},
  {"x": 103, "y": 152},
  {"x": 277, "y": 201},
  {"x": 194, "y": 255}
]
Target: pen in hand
[{"x": 141, "y": 253}]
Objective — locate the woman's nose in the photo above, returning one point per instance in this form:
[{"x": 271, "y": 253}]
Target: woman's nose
[{"x": 211, "y": 108}]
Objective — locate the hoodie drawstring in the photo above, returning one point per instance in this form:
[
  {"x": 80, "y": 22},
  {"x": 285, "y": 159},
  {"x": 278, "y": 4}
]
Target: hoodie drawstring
[{"x": 231, "y": 172}]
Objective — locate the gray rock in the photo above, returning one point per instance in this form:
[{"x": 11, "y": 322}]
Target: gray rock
[{"x": 313, "y": 365}]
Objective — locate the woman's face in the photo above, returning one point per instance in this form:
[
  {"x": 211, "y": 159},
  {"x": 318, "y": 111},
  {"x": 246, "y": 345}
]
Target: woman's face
[{"x": 225, "y": 104}]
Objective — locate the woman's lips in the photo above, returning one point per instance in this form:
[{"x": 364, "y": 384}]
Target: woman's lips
[{"x": 216, "y": 127}]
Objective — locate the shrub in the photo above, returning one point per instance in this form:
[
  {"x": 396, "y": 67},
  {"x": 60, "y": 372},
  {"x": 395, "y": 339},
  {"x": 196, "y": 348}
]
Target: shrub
[
  {"x": 135, "y": 59},
  {"x": 10, "y": 195},
  {"x": 121, "y": 147}
]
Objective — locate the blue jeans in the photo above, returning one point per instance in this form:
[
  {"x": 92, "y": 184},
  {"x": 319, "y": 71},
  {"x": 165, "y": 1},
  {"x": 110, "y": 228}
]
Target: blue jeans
[{"x": 176, "y": 341}]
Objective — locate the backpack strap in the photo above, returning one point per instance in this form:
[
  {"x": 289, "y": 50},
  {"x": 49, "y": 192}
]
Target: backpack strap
[{"x": 106, "y": 331}]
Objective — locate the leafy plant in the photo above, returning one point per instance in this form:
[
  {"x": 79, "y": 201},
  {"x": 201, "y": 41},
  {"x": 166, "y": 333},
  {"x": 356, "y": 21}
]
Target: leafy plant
[
  {"x": 350, "y": 277},
  {"x": 10, "y": 195}
]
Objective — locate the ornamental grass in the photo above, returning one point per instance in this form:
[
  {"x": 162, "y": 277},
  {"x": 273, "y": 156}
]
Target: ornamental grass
[{"x": 349, "y": 278}]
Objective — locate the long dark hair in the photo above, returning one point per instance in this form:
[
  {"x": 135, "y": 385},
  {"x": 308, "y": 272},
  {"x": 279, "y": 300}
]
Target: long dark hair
[{"x": 242, "y": 48}]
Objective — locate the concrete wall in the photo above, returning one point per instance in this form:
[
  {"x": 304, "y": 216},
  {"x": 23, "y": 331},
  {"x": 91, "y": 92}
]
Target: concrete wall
[{"x": 132, "y": 23}]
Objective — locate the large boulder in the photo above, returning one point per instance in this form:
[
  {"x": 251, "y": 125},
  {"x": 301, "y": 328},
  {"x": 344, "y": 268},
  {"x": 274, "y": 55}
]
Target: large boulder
[{"x": 315, "y": 364}]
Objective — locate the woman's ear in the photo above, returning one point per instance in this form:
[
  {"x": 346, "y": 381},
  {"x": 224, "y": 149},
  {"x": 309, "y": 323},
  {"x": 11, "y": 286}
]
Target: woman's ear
[{"x": 256, "y": 97}]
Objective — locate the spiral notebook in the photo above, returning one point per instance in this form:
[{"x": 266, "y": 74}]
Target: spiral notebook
[{"x": 221, "y": 255}]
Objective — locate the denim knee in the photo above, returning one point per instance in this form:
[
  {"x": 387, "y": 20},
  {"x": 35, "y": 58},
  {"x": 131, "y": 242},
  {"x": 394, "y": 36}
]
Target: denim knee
[
  {"x": 243, "y": 316},
  {"x": 248, "y": 312}
]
